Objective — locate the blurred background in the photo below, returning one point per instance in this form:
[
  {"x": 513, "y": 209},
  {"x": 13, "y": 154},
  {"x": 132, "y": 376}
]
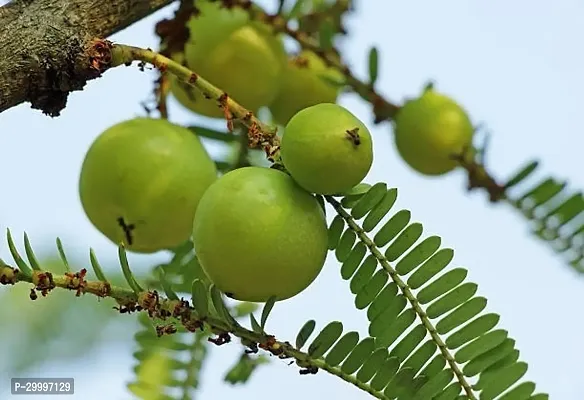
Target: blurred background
[{"x": 513, "y": 65}]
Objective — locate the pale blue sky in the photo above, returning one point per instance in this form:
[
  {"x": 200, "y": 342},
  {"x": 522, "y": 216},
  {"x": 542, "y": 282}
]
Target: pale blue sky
[{"x": 514, "y": 65}]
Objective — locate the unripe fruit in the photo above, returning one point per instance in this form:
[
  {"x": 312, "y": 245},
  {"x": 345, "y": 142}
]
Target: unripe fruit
[
  {"x": 141, "y": 182},
  {"x": 242, "y": 57},
  {"x": 304, "y": 83},
  {"x": 257, "y": 234},
  {"x": 326, "y": 149},
  {"x": 430, "y": 130}
]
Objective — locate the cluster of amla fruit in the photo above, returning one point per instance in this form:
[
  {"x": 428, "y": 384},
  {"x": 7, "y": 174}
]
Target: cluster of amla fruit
[
  {"x": 248, "y": 61},
  {"x": 257, "y": 231}
]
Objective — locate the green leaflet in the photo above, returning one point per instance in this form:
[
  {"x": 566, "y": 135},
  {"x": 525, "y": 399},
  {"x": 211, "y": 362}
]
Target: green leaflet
[
  {"x": 358, "y": 355},
  {"x": 242, "y": 370},
  {"x": 342, "y": 348},
  {"x": 325, "y": 339},
  {"x": 43, "y": 322},
  {"x": 429, "y": 331},
  {"x": 373, "y": 65},
  {"x": 556, "y": 212},
  {"x": 305, "y": 333},
  {"x": 267, "y": 310},
  {"x": 200, "y": 299}
]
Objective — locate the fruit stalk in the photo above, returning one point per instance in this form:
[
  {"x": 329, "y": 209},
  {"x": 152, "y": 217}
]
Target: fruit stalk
[
  {"x": 158, "y": 306},
  {"x": 259, "y": 134}
]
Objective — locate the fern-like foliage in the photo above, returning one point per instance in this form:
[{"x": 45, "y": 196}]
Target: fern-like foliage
[
  {"x": 175, "y": 279},
  {"x": 167, "y": 367},
  {"x": 556, "y": 212},
  {"x": 169, "y": 358},
  {"x": 429, "y": 334}
]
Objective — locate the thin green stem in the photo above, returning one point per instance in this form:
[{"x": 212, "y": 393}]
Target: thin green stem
[
  {"x": 259, "y": 134},
  {"x": 407, "y": 293},
  {"x": 181, "y": 311},
  {"x": 350, "y": 378}
]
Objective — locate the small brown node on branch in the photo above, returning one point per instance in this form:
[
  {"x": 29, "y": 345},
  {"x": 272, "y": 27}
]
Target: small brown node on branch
[
  {"x": 223, "y": 103},
  {"x": 105, "y": 289},
  {"x": 282, "y": 355},
  {"x": 181, "y": 309},
  {"x": 8, "y": 275},
  {"x": 168, "y": 329},
  {"x": 193, "y": 78},
  {"x": 76, "y": 281},
  {"x": 271, "y": 345},
  {"x": 353, "y": 136},
  {"x": 248, "y": 117},
  {"x": 192, "y": 325},
  {"x": 99, "y": 54},
  {"x": 478, "y": 177},
  {"x": 377, "y": 102},
  {"x": 300, "y": 62},
  {"x": 220, "y": 340},
  {"x": 150, "y": 301},
  {"x": 254, "y": 135},
  {"x": 43, "y": 282},
  {"x": 162, "y": 66}
]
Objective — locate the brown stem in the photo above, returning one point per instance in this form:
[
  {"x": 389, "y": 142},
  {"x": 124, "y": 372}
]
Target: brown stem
[{"x": 45, "y": 46}]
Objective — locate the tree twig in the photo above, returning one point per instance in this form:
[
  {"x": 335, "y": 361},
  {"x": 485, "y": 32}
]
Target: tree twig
[
  {"x": 383, "y": 109},
  {"x": 259, "y": 134},
  {"x": 180, "y": 311}
]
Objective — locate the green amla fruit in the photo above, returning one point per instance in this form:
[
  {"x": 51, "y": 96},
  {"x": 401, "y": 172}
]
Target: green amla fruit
[
  {"x": 326, "y": 149},
  {"x": 242, "y": 57},
  {"x": 430, "y": 130},
  {"x": 141, "y": 181},
  {"x": 306, "y": 81},
  {"x": 257, "y": 234}
]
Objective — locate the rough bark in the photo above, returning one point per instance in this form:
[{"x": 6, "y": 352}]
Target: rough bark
[{"x": 46, "y": 46}]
